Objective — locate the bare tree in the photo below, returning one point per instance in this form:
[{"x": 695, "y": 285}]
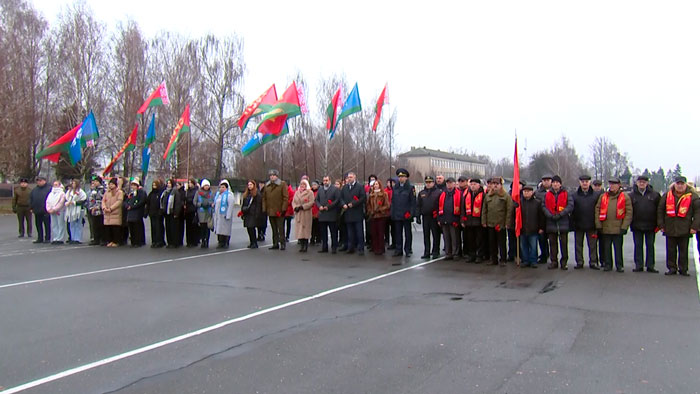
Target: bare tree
[{"x": 607, "y": 160}]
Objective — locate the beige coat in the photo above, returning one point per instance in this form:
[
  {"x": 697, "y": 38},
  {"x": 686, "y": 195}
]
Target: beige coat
[
  {"x": 303, "y": 218},
  {"x": 113, "y": 200}
]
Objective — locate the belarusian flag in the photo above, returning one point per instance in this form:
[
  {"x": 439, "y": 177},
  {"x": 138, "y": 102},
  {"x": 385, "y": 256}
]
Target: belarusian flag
[
  {"x": 261, "y": 105},
  {"x": 285, "y": 108},
  {"x": 332, "y": 113},
  {"x": 183, "y": 126},
  {"x": 129, "y": 145},
  {"x": 378, "y": 108},
  {"x": 158, "y": 97}
]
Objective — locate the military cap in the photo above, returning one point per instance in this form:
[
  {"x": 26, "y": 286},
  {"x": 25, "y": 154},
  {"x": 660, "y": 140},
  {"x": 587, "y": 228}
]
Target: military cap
[
  {"x": 429, "y": 178},
  {"x": 402, "y": 172}
]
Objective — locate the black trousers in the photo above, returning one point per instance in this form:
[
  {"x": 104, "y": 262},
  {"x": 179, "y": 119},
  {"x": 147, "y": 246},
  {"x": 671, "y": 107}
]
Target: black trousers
[
  {"x": 677, "y": 253},
  {"x": 137, "y": 233},
  {"x": 389, "y": 233},
  {"x": 173, "y": 230},
  {"x": 402, "y": 228},
  {"x": 157, "y": 230},
  {"x": 315, "y": 231},
  {"x": 42, "y": 221},
  {"x": 512, "y": 244},
  {"x": 497, "y": 244},
  {"x": 113, "y": 234},
  {"x": 475, "y": 242},
  {"x": 559, "y": 242},
  {"x": 431, "y": 229},
  {"x": 607, "y": 243},
  {"x": 204, "y": 233},
  {"x": 192, "y": 229},
  {"x": 323, "y": 233},
  {"x": 97, "y": 229},
  {"x": 252, "y": 236},
  {"x": 644, "y": 239},
  {"x": 544, "y": 248},
  {"x": 288, "y": 227}
]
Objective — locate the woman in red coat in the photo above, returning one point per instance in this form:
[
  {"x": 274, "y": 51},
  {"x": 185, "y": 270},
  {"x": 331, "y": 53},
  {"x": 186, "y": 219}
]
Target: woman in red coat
[{"x": 289, "y": 214}]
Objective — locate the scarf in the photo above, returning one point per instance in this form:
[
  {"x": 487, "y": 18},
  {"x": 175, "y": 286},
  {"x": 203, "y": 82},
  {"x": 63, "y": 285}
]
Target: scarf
[
  {"x": 619, "y": 212},
  {"x": 223, "y": 208},
  {"x": 474, "y": 210},
  {"x": 683, "y": 205},
  {"x": 558, "y": 205},
  {"x": 456, "y": 199}
]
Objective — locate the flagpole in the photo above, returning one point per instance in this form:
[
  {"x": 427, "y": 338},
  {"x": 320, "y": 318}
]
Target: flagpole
[
  {"x": 187, "y": 171},
  {"x": 517, "y": 238}
]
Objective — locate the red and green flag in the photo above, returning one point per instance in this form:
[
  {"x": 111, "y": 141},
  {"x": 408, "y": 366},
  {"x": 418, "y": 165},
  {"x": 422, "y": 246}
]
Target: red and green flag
[
  {"x": 157, "y": 98},
  {"x": 128, "y": 146},
  {"x": 261, "y": 105},
  {"x": 332, "y": 112},
  {"x": 82, "y": 135},
  {"x": 183, "y": 126},
  {"x": 285, "y": 108},
  {"x": 383, "y": 99},
  {"x": 61, "y": 145}
]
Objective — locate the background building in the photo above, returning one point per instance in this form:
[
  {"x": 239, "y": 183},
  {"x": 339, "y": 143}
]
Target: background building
[{"x": 424, "y": 161}]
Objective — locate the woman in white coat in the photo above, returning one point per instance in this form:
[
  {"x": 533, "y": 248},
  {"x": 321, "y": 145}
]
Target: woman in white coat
[
  {"x": 56, "y": 207},
  {"x": 75, "y": 211},
  {"x": 223, "y": 215}
]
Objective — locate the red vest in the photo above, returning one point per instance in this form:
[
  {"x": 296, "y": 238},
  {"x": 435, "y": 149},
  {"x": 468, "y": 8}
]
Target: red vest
[
  {"x": 555, "y": 207},
  {"x": 475, "y": 209},
  {"x": 456, "y": 199},
  {"x": 619, "y": 212},
  {"x": 683, "y": 205}
]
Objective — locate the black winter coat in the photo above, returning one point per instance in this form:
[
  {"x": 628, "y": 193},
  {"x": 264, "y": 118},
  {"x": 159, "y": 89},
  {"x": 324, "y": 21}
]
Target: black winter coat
[
  {"x": 428, "y": 200},
  {"x": 135, "y": 205},
  {"x": 471, "y": 220},
  {"x": 533, "y": 217},
  {"x": 562, "y": 223},
  {"x": 153, "y": 203},
  {"x": 178, "y": 204},
  {"x": 584, "y": 209},
  {"x": 190, "y": 194},
  {"x": 403, "y": 200},
  {"x": 322, "y": 198},
  {"x": 448, "y": 216},
  {"x": 37, "y": 199},
  {"x": 357, "y": 197},
  {"x": 644, "y": 208},
  {"x": 251, "y": 206}
]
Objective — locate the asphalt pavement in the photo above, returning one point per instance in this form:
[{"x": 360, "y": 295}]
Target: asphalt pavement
[{"x": 82, "y": 319}]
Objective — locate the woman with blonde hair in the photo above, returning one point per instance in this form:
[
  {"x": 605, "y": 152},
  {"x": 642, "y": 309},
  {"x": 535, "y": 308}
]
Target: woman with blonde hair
[
  {"x": 303, "y": 217},
  {"x": 378, "y": 212}
]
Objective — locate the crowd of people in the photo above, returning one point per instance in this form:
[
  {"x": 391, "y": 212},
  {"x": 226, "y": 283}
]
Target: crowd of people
[{"x": 471, "y": 220}]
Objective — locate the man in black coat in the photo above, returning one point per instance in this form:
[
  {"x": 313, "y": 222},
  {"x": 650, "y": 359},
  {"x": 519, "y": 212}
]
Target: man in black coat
[
  {"x": 37, "y": 202},
  {"x": 403, "y": 207},
  {"x": 353, "y": 198},
  {"x": 328, "y": 203},
  {"x": 645, "y": 202},
  {"x": 585, "y": 199},
  {"x": 427, "y": 215}
]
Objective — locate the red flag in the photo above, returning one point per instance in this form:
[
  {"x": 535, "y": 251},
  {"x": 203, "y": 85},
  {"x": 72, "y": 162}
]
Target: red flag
[
  {"x": 378, "y": 108},
  {"x": 515, "y": 193},
  {"x": 261, "y": 105},
  {"x": 286, "y": 107},
  {"x": 332, "y": 113},
  {"x": 158, "y": 97},
  {"x": 129, "y": 145},
  {"x": 183, "y": 126}
]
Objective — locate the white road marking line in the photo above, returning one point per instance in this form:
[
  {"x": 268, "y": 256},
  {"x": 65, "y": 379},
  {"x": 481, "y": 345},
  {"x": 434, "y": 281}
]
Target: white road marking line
[
  {"x": 41, "y": 250},
  {"x": 204, "y": 330},
  {"x": 697, "y": 263},
  {"x": 29, "y": 282}
]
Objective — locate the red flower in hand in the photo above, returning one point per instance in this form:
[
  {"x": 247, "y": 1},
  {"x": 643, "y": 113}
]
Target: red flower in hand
[
  {"x": 594, "y": 236},
  {"x": 240, "y": 213},
  {"x": 435, "y": 214},
  {"x": 656, "y": 229},
  {"x": 355, "y": 198},
  {"x": 278, "y": 214},
  {"x": 380, "y": 202},
  {"x": 407, "y": 215},
  {"x": 455, "y": 224},
  {"x": 330, "y": 202},
  {"x": 497, "y": 228}
]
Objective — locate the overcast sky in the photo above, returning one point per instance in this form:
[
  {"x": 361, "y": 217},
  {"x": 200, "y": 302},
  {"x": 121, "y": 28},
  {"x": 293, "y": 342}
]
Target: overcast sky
[{"x": 468, "y": 73}]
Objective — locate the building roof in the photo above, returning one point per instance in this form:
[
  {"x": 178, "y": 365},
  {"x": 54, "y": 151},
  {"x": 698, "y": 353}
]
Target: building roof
[{"x": 422, "y": 152}]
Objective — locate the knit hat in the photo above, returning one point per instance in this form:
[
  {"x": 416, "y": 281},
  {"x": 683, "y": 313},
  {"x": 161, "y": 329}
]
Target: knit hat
[
  {"x": 205, "y": 182},
  {"x": 556, "y": 178}
]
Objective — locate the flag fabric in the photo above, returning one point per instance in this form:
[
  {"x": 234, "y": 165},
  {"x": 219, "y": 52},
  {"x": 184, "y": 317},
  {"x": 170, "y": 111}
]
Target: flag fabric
[
  {"x": 261, "y": 105},
  {"x": 515, "y": 193},
  {"x": 157, "y": 98},
  {"x": 129, "y": 145},
  {"x": 183, "y": 126},
  {"x": 260, "y": 139},
  {"x": 352, "y": 104},
  {"x": 82, "y": 135},
  {"x": 378, "y": 108},
  {"x": 285, "y": 108},
  {"x": 332, "y": 112},
  {"x": 61, "y": 145},
  {"x": 146, "y": 153}
]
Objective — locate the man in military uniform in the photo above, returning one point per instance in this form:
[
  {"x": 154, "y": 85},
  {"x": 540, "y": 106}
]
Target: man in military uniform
[
  {"x": 21, "y": 206},
  {"x": 403, "y": 206},
  {"x": 676, "y": 217},
  {"x": 274, "y": 202},
  {"x": 427, "y": 214}
]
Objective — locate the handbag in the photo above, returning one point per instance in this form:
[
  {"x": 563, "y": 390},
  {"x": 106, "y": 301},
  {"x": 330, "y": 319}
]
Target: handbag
[{"x": 210, "y": 222}]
